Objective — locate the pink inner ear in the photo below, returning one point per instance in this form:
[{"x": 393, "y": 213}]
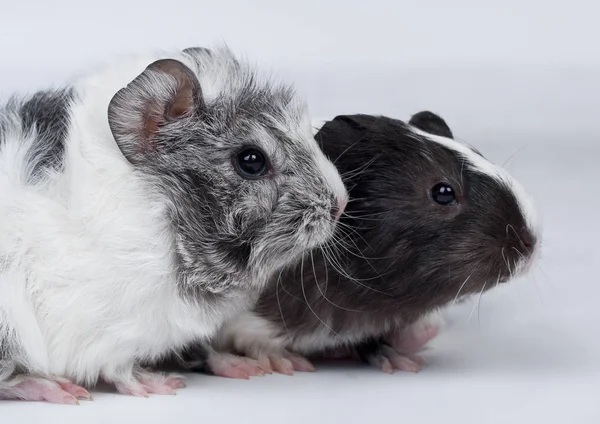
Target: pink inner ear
[
  {"x": 151, "y": 123},
  {"x": 181, "y": 105},
  {"x": 183, "y": 102}
]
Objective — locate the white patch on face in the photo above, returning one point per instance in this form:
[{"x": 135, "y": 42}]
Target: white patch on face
[{"x": 482, "y": 165}]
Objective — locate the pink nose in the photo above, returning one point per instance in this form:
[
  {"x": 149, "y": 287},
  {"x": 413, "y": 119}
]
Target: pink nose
[{"x": 338, "y": 210}]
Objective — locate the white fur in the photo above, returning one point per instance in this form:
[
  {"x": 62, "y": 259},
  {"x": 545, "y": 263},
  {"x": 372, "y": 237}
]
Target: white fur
[{"x": 87, "y": 280}]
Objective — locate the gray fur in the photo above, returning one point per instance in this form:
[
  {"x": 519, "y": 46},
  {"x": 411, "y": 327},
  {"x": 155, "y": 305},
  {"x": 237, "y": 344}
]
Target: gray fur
[{"x": 229, "y": 231}]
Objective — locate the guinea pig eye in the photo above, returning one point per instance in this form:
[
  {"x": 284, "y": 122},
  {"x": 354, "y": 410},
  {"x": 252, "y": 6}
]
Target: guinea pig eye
[
  {"x": 443, "y": 194},
  {"x": 251, "y": 163}
]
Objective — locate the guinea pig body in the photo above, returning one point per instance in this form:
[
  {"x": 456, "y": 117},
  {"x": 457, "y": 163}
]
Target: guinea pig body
[
  {"x": 141, "y": 207},
  {"x": 429, "y": 221}
]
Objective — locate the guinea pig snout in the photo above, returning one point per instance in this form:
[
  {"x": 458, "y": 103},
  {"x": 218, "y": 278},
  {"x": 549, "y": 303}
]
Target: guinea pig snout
[
  {"x": 520, "y": 250},
  {"x": 338, "y": 209},
  {"x": 523, "y": 240}
]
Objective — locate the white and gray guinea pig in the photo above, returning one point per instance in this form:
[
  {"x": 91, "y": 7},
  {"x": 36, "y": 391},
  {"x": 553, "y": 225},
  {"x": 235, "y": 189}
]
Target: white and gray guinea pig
[
  {"x": 429, "y": 220},
  {"x": 141, "y": 207}
]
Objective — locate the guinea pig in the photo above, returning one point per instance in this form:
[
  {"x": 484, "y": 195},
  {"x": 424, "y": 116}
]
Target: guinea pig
[
  {"x": 143, "y": 205},
  {"x": 429, "y": 220}
]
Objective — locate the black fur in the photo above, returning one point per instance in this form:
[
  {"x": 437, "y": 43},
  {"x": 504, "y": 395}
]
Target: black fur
[
  {"x": 398, "y": 254},
  {"x": 46, "y": 113},
  {"x": 431, "y": 123}
]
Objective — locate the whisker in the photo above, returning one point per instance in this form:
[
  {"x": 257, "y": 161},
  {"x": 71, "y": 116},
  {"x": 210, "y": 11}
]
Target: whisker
[
  {"x": 539, "y": 266},
  {"x": 479, "y": 305},
  {"x": 476, "y": 306},
  {"x": 347, "y": 149},
  {"x": 461, "y": 287},
  {"x": 321, "y": 291},
  {"x": 512, "y": 156},
  {"x": 279, "y": 302},
  {"x": 308, "y": 303},
  {"x": 517, "y": 234},
  {"x": 338, "y": 268},
  {"x": 357, "y": 255},
  {"x": 537, "y": 289},
  {"x": 505, "y": 261},
  {"x": 347, "y": 176}
]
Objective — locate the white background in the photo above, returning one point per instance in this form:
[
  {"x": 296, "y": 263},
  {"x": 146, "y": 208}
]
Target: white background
[{"x": 520, "y": 80}]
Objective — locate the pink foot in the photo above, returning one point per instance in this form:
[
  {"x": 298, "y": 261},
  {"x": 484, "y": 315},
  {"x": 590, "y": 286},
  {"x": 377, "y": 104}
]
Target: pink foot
[
  {"x": 29, "y": 388},
  {"x": 388, "y": 360},
  {"x": 77, "y": 391},
  {"x": 284, "y": 363},
  {"x": 414, "y": 337},
  {"x": 151, "y": 383},
  {"x": 232, "y": 366}
]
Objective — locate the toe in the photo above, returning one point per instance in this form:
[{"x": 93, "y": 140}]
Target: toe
[
  {"x": 386, "y": 366},
  {"x": 404, "y": 364},
  {"x": 301, "y": 364},
  {"x": 265, "y": 364},
  {"x": 61, "y": 397},
  {"x": 132, "y": 389},
  {"x": 159, "y": 388},
  {"x": 176, "y": 382},
  {"x": 231, "y": 372},
  {"x": 75, "y": 390},
  {"x": 252, "y": 369},
  {"x": 282, "y": 365}
]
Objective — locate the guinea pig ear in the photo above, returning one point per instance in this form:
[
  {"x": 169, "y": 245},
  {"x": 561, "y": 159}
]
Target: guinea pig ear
[
  {"x": 431, "y": 123},
  {"x": 167, "y": 91}
]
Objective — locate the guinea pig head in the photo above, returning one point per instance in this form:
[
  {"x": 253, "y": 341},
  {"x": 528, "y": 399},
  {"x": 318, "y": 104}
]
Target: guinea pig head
[
  {"x": 436, "y": 219},
  {"x": 248, "y": 188}
]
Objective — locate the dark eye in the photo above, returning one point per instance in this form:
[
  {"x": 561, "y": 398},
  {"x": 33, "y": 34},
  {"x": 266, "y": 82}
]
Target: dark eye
[
  {"x": 251, "y": 163},
  {"x": 444, "y": 194}
]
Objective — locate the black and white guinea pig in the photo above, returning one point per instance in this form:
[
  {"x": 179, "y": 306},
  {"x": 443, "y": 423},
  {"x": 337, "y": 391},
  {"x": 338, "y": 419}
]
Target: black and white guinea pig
[
  {"x": 142, "y": 206},
  {"x": 429, "y": 220}
]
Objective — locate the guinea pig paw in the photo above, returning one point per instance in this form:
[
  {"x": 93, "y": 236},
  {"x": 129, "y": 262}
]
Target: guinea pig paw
[
  {"x": 77, "y": 391},
  {"x": 151, "y": 383},
  {"x": 233, "y": 366},
  {"x": 285, "y": 363},
  {"x": 132, "y": 388},
  {"x": 405, "y": 363},
  {"x": 300, "y": 363},
  {"x": 388, "y": 360},
  {"x": 161, "y": 384},
  {"x": 30, "y": 388}
]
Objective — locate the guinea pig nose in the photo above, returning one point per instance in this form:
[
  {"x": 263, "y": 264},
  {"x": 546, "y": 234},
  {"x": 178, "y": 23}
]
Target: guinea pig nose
[
  {"x": 338, "y": 209},
  {"x": 527, "y": 239}
]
